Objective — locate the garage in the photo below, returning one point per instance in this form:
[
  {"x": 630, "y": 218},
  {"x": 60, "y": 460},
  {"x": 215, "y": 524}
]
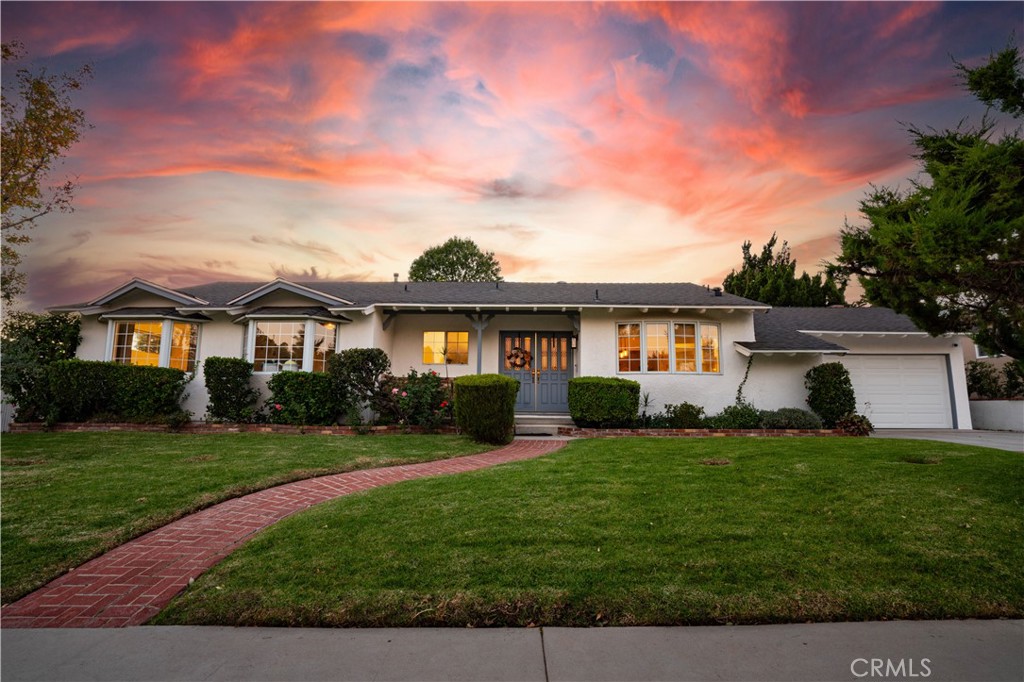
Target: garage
[{"x": 902, "y": 391}]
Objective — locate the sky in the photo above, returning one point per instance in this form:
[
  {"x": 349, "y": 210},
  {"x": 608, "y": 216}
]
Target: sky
[{"x": 588, "y": 142}]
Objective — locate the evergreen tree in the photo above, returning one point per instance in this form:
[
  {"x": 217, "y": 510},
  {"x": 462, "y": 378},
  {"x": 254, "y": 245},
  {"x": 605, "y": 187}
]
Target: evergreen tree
[{"x": 771, "y": 278}]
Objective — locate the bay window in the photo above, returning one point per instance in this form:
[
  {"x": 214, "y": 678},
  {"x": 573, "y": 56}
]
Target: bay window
[
  {"x": 669, "y": 347},
  {"x": 278, "y": 345},
  {"x": 155, "y": 343}
]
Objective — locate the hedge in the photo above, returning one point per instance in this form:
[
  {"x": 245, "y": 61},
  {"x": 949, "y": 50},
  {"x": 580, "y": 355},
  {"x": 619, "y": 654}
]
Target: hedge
[
  {"x": 603, "y": 402},
  {"x": 485, "y": 407},
  {"x": 83, "y": 390},
  {"x": 303, "y": 398},
  {"x": 228, "y": 383}
]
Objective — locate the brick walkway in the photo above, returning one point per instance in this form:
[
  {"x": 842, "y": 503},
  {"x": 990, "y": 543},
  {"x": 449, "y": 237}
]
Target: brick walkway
[{"x": 131, "y": 583}]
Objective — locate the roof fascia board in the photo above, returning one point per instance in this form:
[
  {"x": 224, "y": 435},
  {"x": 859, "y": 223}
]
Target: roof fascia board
[
  {"x": 293, "y": 316},
  {"x": 149, "y": 316},
  {"x": 292, "y": 287},
  {"x": 555, "y": 307},
  {"x": 148, "y": 287},
  {"x": 815, "y": 332}
]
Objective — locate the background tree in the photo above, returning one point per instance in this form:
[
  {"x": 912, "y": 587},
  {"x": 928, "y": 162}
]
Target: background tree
[
  {"x": 949, "y": 253},
  {"x": 29, "y": 344},
  {"x": 771, "y": 278},
  {"x": 39, "y": 126},
  {"x": 457, "y": 260}
]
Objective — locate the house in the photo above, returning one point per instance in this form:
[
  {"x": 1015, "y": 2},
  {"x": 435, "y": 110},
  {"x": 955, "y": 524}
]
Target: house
[{"x": 682, "y": 342}]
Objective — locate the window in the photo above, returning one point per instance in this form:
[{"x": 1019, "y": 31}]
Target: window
[
  {"x": 441, "y": 346},
  {"x": 155, "y": 343},
  {"x": 655, "y": 347},
  {"x": 982, "y": 353},
  {"x": 629, "y": 347},
  {"x": 304, "y": 345}
]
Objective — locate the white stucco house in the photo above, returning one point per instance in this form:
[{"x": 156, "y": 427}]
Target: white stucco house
[{"x": 682, "y": 342}]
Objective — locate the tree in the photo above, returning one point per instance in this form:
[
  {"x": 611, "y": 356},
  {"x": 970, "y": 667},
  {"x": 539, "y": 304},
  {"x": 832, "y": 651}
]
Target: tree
[
  {"x": 771, "y": 278},
  {"x": 29, "y": 344},
  {"x": 457, "y": 260},
  {"x": 39, "y": 126},
  {"x": 949, "y": 253}
]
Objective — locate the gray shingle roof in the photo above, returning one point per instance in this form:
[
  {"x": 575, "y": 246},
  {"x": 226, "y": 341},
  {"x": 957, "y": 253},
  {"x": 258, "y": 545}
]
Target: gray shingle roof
[
  {"x": 143, "y": 313},
  {"x": 780, "y": 329},
  {"x": 363, "y": 294}
]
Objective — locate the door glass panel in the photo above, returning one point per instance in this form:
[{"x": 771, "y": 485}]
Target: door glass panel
[
  {"x": 544, "y": 353},
  {"x": 564, "y": 357}
]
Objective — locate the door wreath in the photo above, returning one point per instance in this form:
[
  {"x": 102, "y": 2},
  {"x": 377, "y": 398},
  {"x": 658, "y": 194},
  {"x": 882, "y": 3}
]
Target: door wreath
[{"x": 518, "y": 358}]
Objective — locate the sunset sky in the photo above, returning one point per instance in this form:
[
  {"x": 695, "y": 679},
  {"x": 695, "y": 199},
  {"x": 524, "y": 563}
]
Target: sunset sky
[{"x": 580, "y": 142}]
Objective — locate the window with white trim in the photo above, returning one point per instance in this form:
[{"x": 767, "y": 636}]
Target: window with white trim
[
  {"x": 657, "y": 347},
  {"x": 300, "y": 345},
  {"x": 441, "y": 348},
  {"x": 155, "y": 343}
]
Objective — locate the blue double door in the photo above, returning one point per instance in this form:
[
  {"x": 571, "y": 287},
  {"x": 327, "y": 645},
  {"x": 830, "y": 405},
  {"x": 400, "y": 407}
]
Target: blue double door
[{"x": 542, "y": 363}]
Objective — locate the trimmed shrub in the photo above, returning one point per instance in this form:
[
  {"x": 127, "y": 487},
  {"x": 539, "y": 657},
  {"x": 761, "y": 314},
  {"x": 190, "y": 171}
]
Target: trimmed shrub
[
  {"x": 303, "y": 398},
  {"x": 485, "y": 407},
  {"x": 829, "y": 392},
  {"x": 684, "y": 416},
  {"x": 228, "y": 383},
  {"x": 80, "y": 390},
  {"x": 738, "y": 416},
  {"x": 855, "y": 425},
  {"x": 789, "y": 418},
  {"x": 84, "y": 390},
  {"x": 145, "y": 394},
  {"x": 363, "y": 376},
  {"x": 603, "y": 402},
  {"x": 29, "y": 344}
]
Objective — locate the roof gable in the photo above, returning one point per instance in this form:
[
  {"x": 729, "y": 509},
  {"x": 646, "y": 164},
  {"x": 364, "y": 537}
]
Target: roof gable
[{"x": 137, "y": 284}]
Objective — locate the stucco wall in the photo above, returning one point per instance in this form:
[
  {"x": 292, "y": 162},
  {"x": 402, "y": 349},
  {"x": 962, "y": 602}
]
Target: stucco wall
[
  {"x": 598, "y": 356},
  {"x": 998, "y": 415}
]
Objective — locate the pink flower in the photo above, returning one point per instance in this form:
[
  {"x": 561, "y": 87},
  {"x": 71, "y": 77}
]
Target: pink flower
[
  {"x": 278, "y": 406},
  {"x": 395, "y": 391},
  {"x": 404, "y": 394},
  {"x": 433, "y": 372},
  {"x": 444, "y": 403}
]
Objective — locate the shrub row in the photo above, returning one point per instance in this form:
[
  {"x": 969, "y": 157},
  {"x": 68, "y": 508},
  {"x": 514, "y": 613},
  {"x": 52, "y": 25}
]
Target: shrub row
[
  {"x": 82, "y": 390},
  {"x": 602, "y": 402},
  {"x": 358, "y": 383},
  {"x": 989, "y": 383}
]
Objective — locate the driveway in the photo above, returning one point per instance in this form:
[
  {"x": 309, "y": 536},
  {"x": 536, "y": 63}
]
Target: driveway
[{"x": 1003, "y": 440}]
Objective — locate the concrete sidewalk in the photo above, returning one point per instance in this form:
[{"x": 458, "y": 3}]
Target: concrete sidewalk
[{"x": 908, "y": 650}]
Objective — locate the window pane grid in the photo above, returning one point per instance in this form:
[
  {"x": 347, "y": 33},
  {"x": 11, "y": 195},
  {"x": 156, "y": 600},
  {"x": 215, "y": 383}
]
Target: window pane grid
[
  {"x": 441, "y": 347},
  {"x": 669, "y": 347},
  {"x": 279, "y": 345},
  {"x": 323, "y": 346},
  {"x": 137, "y": 343},
  {"x": 629, "y": 347},
  {"x": 184, "y": 338}
]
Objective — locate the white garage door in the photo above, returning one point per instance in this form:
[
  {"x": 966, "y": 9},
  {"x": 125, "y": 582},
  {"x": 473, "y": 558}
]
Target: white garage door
[{"x": 901, "y": 391}]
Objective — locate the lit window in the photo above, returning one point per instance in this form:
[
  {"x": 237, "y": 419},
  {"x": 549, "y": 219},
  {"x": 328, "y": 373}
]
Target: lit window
[
  {"x": 156, "y": 343},
  {"x": 629, "y": 347},
  {"x": 657, "y": 347},
  {"x": 709, "y": 348},
  {"x": 445, "y": 347},
  {"x": 686, "y": 347},
  {"x": 297, "y": 346},
  {"x": 669, "y": 347}
]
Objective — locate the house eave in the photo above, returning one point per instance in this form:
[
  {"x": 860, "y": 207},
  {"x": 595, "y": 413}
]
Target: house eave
[
  {"x": 291, "y": 287},
  {"x": 536, "y": 307},
  {"x": 148, "y": 287}
]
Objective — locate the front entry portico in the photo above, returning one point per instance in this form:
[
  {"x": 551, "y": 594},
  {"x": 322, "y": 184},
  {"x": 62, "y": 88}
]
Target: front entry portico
[{"x": 542, "y": 363}]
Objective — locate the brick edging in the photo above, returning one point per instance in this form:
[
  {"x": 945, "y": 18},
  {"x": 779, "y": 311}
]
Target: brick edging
[
  {"x": 209, "y": 427},
  {"x": 576, "y": 432}
]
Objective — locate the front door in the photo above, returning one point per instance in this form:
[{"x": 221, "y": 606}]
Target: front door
[{"x": 542, "y": 364}]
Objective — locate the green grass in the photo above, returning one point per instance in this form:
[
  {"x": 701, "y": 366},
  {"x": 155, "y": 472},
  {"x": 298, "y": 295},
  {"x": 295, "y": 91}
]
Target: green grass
[
  {"x": 68, "y": 497},
  {"x": 641, "y": 532}
]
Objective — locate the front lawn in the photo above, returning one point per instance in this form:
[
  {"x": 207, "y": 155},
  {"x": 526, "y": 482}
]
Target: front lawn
[
  {"x": 70, "y": 496},
  {"x": 642, "y": 532}
]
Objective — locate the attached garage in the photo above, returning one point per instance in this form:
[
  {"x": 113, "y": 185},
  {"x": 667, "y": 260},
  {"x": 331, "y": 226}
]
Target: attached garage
[{"x": 902, "y": 391}]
